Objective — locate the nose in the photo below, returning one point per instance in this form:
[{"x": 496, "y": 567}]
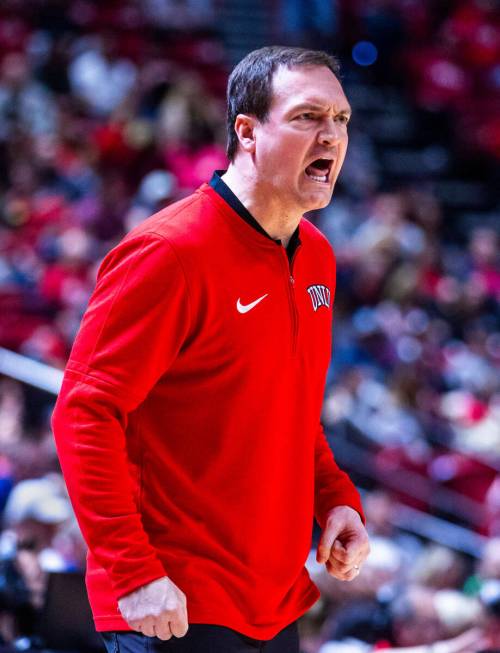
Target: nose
[{"x": 330, "y": 133}]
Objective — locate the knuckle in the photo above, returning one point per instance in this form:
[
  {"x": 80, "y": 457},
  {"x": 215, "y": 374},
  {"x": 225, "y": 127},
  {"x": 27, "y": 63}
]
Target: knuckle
[
  {"x": 335, "y": 573},
  {"x": 341, "y": 572},
  {"x": 341, "y": 565}
]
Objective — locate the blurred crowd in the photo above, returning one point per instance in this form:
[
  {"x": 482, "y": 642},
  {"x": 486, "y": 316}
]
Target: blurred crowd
[
  {"x": 446, "y": 55},
  {"x": 110, "y": 112},
  {"x": 410, "y": 595},
  {"x": 417, "y": 345}
]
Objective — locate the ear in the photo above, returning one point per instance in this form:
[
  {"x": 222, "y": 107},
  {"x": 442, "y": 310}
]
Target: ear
[{"x": 244, "y": 126}]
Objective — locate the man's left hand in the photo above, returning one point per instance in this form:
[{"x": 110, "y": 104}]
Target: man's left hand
[{"x": 344, "y": 544}]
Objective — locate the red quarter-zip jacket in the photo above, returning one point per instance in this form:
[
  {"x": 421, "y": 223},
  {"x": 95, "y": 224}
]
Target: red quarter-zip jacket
[{"x": 188, "y": 422}]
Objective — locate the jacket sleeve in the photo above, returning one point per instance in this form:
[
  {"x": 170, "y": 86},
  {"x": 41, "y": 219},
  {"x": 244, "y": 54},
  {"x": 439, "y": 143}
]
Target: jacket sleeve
[
  {"x": 332, "y": 486},
  {"x": 136, "y": 321}
]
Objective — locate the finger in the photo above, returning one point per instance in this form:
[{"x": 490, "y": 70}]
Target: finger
[
  {"x": 148, "y": 626},
  {"x": 350, "y": 574},
  {"x": 340, "y": 567},
  {"x": 343, "y": 568},
  {"x": 347, "y": 554},
  {"x": 353, "y": 551},
  {"x": 340, "y": 554},
  {"x": 162, "y": 628},
  {"x": 345, "y": 558},
  {"x": 328, "y": 537},
  {"x": 333, "y": 571},
  {"x": 179, "y": 623}
]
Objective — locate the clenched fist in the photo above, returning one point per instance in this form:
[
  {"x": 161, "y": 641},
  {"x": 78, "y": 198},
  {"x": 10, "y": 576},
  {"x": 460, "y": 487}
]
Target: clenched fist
[
  {"x": 156, "y": 609},
  {"x": 344, "y": 545}
]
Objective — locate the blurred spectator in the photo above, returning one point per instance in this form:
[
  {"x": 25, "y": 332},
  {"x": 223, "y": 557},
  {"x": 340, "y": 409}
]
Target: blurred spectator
[
  {"x": 98, "y": 77},
  {"x": 35, "y": 510},
  {"x": 26, "y": 106}
]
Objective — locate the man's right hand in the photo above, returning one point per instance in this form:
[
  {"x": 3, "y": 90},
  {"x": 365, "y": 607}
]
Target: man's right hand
[{"x": 156, "y": 609}]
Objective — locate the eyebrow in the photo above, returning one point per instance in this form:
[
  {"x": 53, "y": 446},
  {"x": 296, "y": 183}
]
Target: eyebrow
[{"x": 312, "y": 106}]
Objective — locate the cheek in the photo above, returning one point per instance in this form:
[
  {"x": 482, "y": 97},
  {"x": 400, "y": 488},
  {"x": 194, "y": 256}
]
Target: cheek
[
  {"x": 342, "y": 154},
  {"x": 295, "y": 145},
  {"x": 289, "y": 164},
  {"x": 345, "y": 143},
  {"x": 284, "y": 160}
]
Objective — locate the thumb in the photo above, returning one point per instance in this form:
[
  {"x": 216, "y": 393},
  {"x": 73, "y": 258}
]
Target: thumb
[
  {"x": 338, "y": 547},
  {"x": 328, "y": 537}
]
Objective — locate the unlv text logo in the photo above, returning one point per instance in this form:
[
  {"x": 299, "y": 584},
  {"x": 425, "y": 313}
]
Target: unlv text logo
[{"x": 320, "y": 296}]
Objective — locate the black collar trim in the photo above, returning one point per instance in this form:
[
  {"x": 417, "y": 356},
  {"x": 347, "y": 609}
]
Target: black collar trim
[{"x": 220, "y": 187}]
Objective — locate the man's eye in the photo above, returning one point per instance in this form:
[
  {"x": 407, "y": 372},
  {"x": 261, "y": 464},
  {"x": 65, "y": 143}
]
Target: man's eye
[
  {"x": 306, "y": 116},
  {"x": 343, "y": 119}
]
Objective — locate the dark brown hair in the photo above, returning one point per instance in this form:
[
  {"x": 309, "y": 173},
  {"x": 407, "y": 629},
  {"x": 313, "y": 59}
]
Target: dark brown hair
[{"x": 249, "y": 88}]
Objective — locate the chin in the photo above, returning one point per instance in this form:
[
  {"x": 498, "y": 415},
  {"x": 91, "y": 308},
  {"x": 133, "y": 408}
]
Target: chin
[{"x": 317, "y": 202}]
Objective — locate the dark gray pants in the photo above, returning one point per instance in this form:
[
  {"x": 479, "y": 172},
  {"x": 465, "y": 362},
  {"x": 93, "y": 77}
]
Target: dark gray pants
[{"x": 203, "y": 638}]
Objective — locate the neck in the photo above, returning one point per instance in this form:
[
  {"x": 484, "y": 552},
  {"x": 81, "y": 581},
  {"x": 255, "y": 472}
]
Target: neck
[{"x": 260, "y": 200}]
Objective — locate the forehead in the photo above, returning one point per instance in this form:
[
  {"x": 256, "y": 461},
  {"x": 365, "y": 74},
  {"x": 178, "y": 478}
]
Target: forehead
[{"x": 315, "y": 84}]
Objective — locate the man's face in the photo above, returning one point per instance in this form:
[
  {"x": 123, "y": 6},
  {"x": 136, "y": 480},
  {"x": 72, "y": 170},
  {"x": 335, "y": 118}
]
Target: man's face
[{"x": 300, "y": 148}]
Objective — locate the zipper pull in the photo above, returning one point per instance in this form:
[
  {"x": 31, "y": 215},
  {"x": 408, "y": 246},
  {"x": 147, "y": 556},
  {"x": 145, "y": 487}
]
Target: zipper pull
[{"x": 292, "y": 280}]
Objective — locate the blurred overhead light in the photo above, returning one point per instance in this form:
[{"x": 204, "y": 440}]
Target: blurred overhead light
[{"x": 364, "y": 53}]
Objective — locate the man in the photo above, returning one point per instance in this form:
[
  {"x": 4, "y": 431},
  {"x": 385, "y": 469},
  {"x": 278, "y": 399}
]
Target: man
[{"x": 188, "y": 423}]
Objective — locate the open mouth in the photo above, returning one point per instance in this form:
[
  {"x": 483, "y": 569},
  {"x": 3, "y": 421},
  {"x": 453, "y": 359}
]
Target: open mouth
[{"x": 319, "y": 170}]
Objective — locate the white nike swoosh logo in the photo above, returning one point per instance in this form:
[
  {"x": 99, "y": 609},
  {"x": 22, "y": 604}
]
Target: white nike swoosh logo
[{"x": 244, "y": 308}]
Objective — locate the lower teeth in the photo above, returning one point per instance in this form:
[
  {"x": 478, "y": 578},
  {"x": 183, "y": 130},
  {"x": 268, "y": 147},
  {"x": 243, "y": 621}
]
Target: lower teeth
[{"x": 317, "y": 178}]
